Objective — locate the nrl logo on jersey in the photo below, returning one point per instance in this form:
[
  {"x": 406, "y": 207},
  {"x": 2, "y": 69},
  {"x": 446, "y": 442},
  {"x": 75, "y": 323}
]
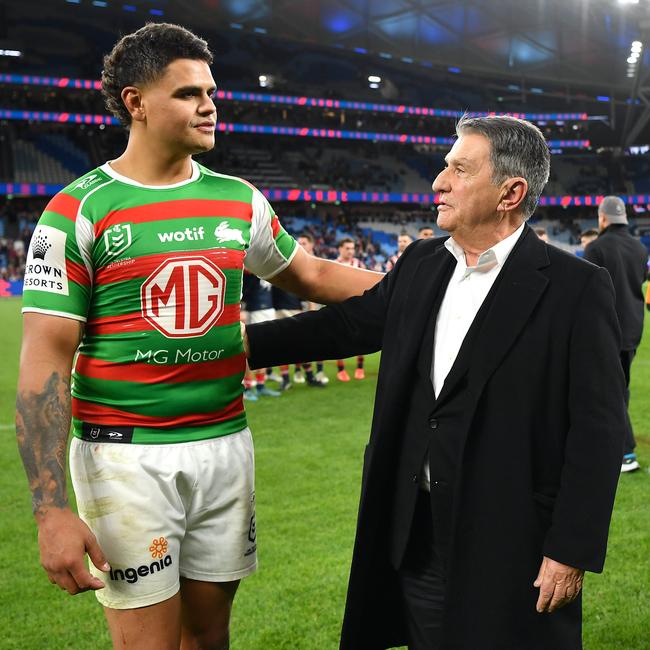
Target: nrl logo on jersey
[
  {"x": 223, "y": 232},
  {"x": 117, "y": 238},
  {"x": 85, "y": 183}
]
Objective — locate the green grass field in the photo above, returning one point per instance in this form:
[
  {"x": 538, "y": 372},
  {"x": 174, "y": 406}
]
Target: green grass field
[{"x": 309, "y": 446}]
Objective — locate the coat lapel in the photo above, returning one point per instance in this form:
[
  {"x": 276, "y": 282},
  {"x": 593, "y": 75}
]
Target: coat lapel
[
  {"x": 433, "y": 273},
  {"x": 503, "y": 315}
]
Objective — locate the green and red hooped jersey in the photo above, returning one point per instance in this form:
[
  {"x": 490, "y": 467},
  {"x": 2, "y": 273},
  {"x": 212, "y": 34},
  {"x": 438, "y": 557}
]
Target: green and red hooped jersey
[{"x": 155, "y": 272}]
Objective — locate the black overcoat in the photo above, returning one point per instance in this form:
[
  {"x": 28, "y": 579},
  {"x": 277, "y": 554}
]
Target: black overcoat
[
  {"x": 535, "y": 398},
  {"x": 626, "y": 259}
]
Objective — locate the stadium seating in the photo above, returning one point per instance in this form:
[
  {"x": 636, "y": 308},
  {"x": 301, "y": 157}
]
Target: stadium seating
[{"x": 32, "y": 165}]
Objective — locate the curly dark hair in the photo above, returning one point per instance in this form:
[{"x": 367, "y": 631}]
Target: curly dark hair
[{"x": 141, "y": 57}]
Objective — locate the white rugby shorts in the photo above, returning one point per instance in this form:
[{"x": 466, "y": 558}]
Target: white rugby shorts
[{"x": 168, "y": 510}]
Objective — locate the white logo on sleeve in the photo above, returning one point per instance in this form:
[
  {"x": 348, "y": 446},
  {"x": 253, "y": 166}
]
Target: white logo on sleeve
[
  {"x": 45, "y": 268},
  {"x": 224, "y": 233},
  {"x": 85, "y": 183}
]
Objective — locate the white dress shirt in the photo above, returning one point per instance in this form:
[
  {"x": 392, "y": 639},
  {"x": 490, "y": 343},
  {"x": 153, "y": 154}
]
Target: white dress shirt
[{"x": 466, "y": 291}]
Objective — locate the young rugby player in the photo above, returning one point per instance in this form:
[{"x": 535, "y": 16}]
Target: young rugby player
[{"x": 136, "y": 269}]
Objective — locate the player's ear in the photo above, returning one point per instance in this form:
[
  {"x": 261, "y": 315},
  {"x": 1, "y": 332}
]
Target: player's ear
[{"x": 132, "y": 98}]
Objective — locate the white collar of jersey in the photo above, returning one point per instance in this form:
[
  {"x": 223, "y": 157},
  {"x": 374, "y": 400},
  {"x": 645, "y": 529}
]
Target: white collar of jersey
[{"x": 107, "y": 169}]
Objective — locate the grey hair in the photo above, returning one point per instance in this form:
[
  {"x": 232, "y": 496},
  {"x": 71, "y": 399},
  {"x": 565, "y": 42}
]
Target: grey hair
[{"x": 518, "y": 148}]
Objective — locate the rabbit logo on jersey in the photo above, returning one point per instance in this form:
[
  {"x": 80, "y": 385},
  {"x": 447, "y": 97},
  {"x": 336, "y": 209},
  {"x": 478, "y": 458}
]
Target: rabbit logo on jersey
[
  {"x": 45, "y": 268},
  {"x": 184, "y": 296}
]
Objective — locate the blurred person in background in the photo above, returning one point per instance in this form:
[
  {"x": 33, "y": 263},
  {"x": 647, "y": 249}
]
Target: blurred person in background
[
  {"x": 258, "y": 301},
  {"x": 306, "y": 240},
  {"x": 286, "y": 305},
  {"x": 541, "y": 233},
  {"x": 403, "y": 242},
  {"x": 626, "y": 259},
  {"x": 587, "y": 236},
  {"x": 347, "y": 248}
]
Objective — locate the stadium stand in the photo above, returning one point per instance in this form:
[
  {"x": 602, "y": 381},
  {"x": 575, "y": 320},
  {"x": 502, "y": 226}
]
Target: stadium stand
[{"x": 53, "y": 153}]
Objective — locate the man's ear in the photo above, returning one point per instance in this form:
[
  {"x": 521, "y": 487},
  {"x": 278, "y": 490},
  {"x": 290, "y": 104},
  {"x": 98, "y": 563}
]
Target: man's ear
[
  {"x": 132, "y": 98},
  {"x": 513, "y": 193}
]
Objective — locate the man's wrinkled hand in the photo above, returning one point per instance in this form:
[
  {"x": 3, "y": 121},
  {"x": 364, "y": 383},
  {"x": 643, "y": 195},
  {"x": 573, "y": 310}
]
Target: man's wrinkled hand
[
  {"x": 559, "y": 584},
  {"x": 64, "y": 539}
]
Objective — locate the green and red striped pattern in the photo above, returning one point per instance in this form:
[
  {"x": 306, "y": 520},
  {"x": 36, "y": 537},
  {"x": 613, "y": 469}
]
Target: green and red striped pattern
[{"x": 162, "y": 349}]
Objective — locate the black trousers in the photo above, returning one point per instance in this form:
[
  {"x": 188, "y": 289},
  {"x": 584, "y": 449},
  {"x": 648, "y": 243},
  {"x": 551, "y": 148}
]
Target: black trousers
[
  {"x": 626, "y": 361},
  {"x": 422, "y": 579}
]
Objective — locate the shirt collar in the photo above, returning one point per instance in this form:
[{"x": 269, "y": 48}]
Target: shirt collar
[{"x": 488, "y": 259}]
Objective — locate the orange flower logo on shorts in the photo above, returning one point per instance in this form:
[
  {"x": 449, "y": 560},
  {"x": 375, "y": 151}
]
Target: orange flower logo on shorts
[{"x": 158, "y": 548}]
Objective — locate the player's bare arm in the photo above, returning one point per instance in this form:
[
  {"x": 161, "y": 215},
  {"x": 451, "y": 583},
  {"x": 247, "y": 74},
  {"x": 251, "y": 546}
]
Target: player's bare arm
[
  {"x": 43, "y": 415},
  {"x": 324, "y": 281}
]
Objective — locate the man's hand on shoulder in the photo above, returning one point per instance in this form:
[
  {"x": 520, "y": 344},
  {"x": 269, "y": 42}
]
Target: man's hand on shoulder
[
  {"x": 559, "y": 584},
  {"x": 64, "y": 539}
]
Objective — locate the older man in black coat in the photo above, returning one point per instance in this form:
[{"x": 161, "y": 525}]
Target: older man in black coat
[
  {"x": 490, "y": 474},
  {"x": 626, "y": 259}
]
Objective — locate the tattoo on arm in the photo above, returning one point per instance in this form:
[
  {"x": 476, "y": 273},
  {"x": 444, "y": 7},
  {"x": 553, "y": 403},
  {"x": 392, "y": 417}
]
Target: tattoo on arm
[{"x": 42, "y": 424}]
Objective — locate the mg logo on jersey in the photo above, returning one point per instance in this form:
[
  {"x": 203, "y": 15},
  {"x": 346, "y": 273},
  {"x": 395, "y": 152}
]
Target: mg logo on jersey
[
  {"x": 117, "y": 238},
  {"x": 184, "y": 296}
]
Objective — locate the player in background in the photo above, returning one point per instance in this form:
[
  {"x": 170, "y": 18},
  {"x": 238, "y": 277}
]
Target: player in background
[
  {"x": 587, "y": 236},
  {"x": 403, "y": 242},
  {"x": 306, "y": 241},
  {"x": 346, "y": 256},
  {"x": 258, "y": 300},
  {"x": 286, "y": 305},
  {"x": 134, "y": 277},
  {"x": 249, "y": 394},
  {"x": 425, "y": 232}
]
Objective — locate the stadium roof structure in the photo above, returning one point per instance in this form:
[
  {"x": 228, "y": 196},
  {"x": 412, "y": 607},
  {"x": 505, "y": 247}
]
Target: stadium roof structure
[
  {"x": 572, "y": 41},
  {"x": 579, "y": 42},
  {"x": 582, "y": 44}
]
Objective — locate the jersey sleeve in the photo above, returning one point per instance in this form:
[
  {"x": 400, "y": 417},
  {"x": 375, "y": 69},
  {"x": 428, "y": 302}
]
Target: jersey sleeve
[
  {"x": 58, "y": 273},
  {"x": 271, "y": 247}
]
